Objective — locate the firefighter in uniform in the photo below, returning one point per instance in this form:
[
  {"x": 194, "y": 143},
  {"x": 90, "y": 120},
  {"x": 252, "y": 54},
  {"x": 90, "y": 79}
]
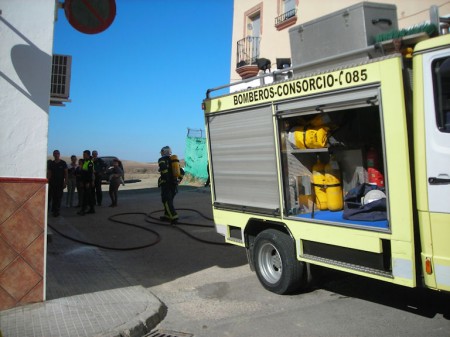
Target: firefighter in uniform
[
  {"x": 88, "y": 179},
  {"x": 168, "y": 184}
]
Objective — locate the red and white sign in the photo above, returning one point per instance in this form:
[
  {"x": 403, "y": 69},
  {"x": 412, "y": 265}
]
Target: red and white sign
[{"x": 90, "y": 16}]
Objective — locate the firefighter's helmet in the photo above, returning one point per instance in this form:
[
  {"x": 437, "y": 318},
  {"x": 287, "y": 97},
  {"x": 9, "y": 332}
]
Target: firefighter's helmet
[{"x": 166, "y": 151}]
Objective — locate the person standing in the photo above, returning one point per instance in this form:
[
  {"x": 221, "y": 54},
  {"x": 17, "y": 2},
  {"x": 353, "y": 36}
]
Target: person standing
[
  {"x": 57, "y": 177},
  {"x": 99, "y": 170},
  {"x": 71, "y": 181},
  {"x": 168, "y": 184},
  {"x": 115, "y": 179},
  {"x": 79, "y": 180},
  {"x": 88, "y": 180}
]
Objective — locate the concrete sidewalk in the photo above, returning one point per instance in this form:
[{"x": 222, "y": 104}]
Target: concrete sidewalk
[
  {"x": 86, "y": 296},
  {"x": 131, "y": 311}
]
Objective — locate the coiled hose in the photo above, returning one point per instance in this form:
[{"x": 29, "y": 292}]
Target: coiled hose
[{"x": 150, "y": 218}]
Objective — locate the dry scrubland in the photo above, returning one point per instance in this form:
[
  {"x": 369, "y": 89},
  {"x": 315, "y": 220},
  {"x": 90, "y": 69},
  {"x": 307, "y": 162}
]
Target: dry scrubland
[
  {"x": 136, "y": 170},
  {"x": 140, "y": 175},
  {"x": 148, "y": 172}
]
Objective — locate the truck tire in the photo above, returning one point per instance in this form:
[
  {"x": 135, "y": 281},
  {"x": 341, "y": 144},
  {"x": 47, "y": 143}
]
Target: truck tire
[{"x": 276, "y": 265}]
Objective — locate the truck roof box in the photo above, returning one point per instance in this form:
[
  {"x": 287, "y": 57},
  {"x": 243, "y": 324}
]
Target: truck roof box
[{"x": 344, "y": 32}]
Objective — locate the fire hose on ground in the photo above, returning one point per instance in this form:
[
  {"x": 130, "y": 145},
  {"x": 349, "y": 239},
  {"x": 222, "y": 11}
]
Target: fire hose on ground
[{"x": 150, "y": 218}]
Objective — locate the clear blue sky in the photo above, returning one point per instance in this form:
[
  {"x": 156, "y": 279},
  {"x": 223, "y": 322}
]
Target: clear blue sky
[{"x": 139, "y": 85}]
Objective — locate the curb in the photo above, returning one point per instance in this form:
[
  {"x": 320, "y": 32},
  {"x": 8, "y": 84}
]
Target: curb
[{"x": 144, "y": 322}]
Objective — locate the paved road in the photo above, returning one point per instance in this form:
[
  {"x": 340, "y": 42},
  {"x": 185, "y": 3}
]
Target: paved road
[{"x": 210, "y": 291}]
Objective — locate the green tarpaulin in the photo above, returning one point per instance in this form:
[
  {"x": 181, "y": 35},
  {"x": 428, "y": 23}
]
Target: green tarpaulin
[{"x": 195, "y": 156}]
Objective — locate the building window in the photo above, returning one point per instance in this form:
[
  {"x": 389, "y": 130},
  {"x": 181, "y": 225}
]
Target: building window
[
  {"x": 253, "y": 21},
  {"x": 248, "y": 47},
  {"x": 254, "y": 27},
  {"x": 288, "y": 5},
  {"x": 288, "y": 14}
]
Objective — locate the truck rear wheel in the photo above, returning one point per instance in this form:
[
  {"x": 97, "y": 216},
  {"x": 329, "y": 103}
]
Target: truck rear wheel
[{"x": 276, "y": 265}]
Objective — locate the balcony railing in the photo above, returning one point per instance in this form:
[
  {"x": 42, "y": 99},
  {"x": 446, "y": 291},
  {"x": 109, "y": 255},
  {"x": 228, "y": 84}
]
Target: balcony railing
[
  {"x": 285, "y": 16},
  {"x": 247, "y": 51}
]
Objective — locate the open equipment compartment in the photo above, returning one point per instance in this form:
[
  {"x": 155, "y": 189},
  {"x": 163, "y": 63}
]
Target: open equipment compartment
[{"x": 352, "y": 130}]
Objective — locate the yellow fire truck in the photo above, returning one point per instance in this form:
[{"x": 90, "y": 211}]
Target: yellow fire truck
[{"x": 340, "y": 161}]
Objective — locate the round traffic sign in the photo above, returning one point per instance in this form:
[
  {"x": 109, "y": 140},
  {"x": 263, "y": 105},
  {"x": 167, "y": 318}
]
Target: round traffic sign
[{"x": 90, "y": 16}]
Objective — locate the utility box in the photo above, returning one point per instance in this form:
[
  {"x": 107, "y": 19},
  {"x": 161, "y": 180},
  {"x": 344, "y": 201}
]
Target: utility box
[{"x": 350, "y": 29}]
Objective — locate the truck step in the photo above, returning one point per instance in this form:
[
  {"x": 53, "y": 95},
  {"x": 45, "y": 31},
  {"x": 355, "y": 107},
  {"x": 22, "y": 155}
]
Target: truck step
[{"x": 347, "y": 265}]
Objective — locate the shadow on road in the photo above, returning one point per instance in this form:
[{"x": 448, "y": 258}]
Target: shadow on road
[
  {"x": 420, "y": 301},
  {"x": 178, "y": 250}
]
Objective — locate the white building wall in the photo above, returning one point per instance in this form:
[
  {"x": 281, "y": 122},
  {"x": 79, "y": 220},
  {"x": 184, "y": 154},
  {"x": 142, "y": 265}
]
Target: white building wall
[{"x": 26, "y": 32}]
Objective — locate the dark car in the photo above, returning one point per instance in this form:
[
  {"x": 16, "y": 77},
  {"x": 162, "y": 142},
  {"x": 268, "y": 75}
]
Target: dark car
[{"x": 108, "y": 160}]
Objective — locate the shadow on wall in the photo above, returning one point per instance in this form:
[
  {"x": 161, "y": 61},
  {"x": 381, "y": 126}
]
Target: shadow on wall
[{"x": 32, "y": 65}]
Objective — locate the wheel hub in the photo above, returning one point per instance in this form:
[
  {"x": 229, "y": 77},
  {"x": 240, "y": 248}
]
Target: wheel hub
[{"x": 270, "y": 262}]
